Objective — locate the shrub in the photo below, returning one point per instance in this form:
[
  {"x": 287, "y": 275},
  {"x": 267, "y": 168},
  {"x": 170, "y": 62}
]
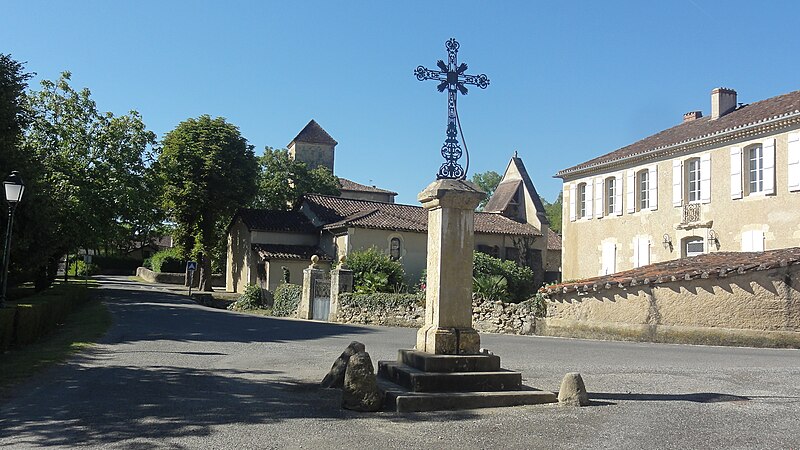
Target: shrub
[
  {"x": 41, "y": 313},
  {"x": 250, "y": 299},
  {"x": 83, "y": 268},
  {"x": 519, "y": 279},
  {"x": 148, "y": 263},
  {"x": 168, "y": 260},
  {"x": 382, "y": 300},
  {"x": 287, "y": 299},
  {"x": 490, "y": 287},
  {"x": 374, "y": 271}
]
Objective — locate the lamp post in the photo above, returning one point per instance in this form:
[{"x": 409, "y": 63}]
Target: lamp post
[{"x": 13, "y": 187}]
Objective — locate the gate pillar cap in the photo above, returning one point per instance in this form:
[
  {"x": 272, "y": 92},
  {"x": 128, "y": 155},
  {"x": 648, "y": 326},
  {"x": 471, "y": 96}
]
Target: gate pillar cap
[{"x": 314, "y": 261}]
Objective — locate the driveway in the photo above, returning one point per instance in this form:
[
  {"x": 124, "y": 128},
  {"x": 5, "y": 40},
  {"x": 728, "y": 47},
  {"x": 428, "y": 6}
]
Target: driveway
[{"x": 173, "y": 374}]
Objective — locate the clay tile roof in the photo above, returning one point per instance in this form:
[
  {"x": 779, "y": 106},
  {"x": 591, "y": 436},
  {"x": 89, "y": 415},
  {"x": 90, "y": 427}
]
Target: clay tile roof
[
  {"x": 705, "y": 127},
  {"x": 553, "y": 240},
  {"x": 349, "y": 185},
  {"x": 337, "y": 212},
  {"x": 268, "y": 220},
  {"x": 314, "y": 134},
  {"x": 292, "y": 252},
  {"x": 710, "y": 265}
]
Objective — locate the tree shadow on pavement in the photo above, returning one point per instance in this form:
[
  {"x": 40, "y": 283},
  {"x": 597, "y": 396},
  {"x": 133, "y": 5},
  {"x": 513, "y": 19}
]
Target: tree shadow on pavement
[
  {"x": 141, "y": 315},
  {"x": 105, "y": 405}
]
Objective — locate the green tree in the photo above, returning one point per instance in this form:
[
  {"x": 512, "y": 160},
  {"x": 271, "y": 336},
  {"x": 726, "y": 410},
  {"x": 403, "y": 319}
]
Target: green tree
[
  {"x": 487, "y": 181},
  {"x": 553, "y": 213},
  {"x": 282, "y": 181},
  {"x": 208, "y": 171}
]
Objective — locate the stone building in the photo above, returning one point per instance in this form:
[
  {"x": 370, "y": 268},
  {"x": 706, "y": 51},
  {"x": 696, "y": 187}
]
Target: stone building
[{"x": 726, "y": 182}]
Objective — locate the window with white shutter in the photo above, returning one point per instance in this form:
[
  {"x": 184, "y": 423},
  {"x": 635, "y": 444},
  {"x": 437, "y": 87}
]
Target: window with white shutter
[
  {"x": 589, "y": 197},
  {"x": 793, "y": 154},
  {"x": 598, "y": 198},
  {"x": 609, "y": 258},
  {"x": 652, "y": 180},
  {"x": 630, "y": 190},
  {"x": 641, "y": 251},
  {"x": 753, "y": 241},
  {"x": 768, "y": 167},
  {"x": 573, "y": 213},
  {"x": 618, "y": 194},
  {"x": 736, "y": 173},
  {"x": 677, "y": 182},
  {"x": 705, "y": 178}
]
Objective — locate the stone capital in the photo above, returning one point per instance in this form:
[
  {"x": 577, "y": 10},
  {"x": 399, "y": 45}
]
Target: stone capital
[{"x": 446, "y": 193}]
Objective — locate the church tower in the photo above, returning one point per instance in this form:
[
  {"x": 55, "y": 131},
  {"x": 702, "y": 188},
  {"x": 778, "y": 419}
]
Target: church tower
[{"x": 313, "y": 146}]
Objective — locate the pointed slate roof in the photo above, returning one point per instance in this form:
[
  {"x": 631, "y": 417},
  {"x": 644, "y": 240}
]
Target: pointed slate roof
[
  {"x": 314, "y": 134},
  {"x": 505, "y": 191}
]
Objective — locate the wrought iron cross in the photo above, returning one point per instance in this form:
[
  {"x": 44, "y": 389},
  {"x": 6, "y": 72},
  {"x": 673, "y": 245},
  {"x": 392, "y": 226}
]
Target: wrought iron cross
[{"x": 453, "y": 79}]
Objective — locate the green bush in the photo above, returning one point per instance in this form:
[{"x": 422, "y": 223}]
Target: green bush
[
  {"x": 374, "y": 271},
  {"x": 147, "y": 263},
  {"x": 83, "y": 268},
  {"x": 287, "y": 299},
  {"x": 168, "y": 260},
  {"x": 251, "y": 298},
  {"x": 490, "y": 287},
  {"x": 382, "y": 300},
  {"x": 519, "y": 279}
]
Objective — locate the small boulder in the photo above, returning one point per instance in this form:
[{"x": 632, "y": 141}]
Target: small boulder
[
  {"x": 335, "y": 378},
  {"x": 360, "y": 391},
  {"x": 573, "y": 391}
]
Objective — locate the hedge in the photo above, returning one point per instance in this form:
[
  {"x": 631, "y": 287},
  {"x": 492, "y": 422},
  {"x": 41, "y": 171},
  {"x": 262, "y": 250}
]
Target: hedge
[
  {"x": 287, "y": 299},
  {"x": 168, "y": 260},
  {"x": 38, "y": 315},
  {"x": 382, "y": 300}
]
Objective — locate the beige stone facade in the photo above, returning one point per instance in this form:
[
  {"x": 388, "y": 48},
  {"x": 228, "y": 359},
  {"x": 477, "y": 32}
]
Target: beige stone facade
[{"x": 729, "y": 182}]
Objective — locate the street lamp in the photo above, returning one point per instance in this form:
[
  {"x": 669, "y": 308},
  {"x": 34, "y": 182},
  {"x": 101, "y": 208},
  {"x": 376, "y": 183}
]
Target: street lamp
[{"x": 13, "y": 188}]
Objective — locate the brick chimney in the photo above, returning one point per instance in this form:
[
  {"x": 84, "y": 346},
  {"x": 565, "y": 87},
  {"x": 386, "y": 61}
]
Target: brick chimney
[
  {"x": 723, "y": 101},
  {"x": 692, "y": 115}
]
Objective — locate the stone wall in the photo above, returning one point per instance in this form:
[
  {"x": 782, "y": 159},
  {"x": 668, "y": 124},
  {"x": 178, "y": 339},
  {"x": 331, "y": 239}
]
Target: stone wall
[
  {"x": 408, "y": 310},
  {"x": 146, "y": 274},
  {"x": 760, "y": 308}
]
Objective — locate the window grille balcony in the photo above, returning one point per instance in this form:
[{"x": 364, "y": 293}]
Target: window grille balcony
[{"x": 691, "y": 213}]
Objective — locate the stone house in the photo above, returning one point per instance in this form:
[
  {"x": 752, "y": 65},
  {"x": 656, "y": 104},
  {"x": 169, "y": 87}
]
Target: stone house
[
  {"x": 261, "y": 243},
  {"x": 726, "y": 182},
  {"x": 740, "y": 298}
]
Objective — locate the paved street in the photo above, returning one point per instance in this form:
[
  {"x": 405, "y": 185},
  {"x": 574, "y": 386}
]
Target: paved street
[{"x": 172, "y": 374}]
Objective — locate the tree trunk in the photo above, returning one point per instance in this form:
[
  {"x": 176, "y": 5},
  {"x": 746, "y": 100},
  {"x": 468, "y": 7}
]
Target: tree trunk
[{"x": 205, "y": 275}]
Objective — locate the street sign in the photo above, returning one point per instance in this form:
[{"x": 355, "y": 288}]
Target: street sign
[{"x": 191, "y": 266}]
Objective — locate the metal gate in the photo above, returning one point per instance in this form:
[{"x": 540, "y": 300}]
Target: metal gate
[{"x": 321, "y": 290}]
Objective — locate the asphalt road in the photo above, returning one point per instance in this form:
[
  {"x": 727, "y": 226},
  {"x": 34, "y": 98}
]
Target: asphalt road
[{"x": 172, "y": 374}]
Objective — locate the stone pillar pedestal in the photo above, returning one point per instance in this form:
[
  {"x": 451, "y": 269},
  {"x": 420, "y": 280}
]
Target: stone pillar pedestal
[
  {"x": 341, "y": 281},
  {"x": 451, "y": 226},
  {"x": 310, "y": 273}
]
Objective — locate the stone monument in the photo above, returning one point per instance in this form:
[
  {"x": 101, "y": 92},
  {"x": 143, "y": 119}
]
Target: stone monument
[{"x": 446, "y": 370}]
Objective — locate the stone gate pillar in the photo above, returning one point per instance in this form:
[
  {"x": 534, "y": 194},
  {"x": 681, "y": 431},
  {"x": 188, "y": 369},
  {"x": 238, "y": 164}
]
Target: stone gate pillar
[
  {"x": 341, "y": 281},
  {"x": 451, "y": 226},
  {"x": 311, "y": 273}
]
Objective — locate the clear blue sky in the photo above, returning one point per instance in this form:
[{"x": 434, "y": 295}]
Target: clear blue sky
[{"x": 570, "y": 80}]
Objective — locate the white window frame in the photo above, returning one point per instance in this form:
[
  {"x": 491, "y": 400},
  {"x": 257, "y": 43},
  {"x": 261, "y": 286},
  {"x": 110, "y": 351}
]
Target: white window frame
[
  {"x": 643, "y": 189},
  {"x": 693, "y": 186},
  {"x": 693, "y": 240},
  {"x": 610, "y": 196},
  {"x": 755, "y": 169},
  {"x": 580, "y": 201}
]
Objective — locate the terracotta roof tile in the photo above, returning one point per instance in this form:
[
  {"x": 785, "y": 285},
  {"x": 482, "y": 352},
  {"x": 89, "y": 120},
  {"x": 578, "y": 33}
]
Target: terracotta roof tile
[
  {"x": 782, "y": 105},
  {"x": 553, "y": 240},
  {"x": 269, "y": 220},
  {"x": 314, "y": 134},
  {"x": 337, "y": 212},
  {"x": 349, "y": 185},
  {"x": 711, "y": 265},
  {"x": 291, "y": 252}
]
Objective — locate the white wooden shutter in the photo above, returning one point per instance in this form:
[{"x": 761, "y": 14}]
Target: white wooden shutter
[
  {"x": 618, "y": 194},
  {"x": 572, "y": 210},
  {"x": 636, "y": 252},
  {"x": 758, "y": 241},
  {"x": 589, "y": 199},
  {"x": 630, "y": 190},
  {"x": 598, "y": 198},
  {"x": 747, "y": 241},
  {"x": 642, "y": 251},
  {"x": 609, "y": 258},
  {"x": 794, "y": 161},
  {"x": 736, "y": 173},
  {"x": 705, "y": 178},
  {"x": 768, "y": 169},
  {"x": 677, "y": 182},
  {"x": 652, "y": 195}
]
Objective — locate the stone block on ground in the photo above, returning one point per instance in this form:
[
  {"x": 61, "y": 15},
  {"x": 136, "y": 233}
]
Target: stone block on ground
[
  {"x": 573, "y": 391},
  {"x": 360, "y": 391},
  {"x": 335, "y": 378}
]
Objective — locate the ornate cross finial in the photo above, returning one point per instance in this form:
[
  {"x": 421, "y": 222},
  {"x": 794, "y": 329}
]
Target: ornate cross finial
[{"x": 453, "y": 79}]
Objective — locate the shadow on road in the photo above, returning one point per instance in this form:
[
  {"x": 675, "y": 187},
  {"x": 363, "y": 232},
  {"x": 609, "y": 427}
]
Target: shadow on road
[
  {"x": 144, "y": 315},
  {"x": 103, "y": 405},
  {"x": 698, "y": 397}
]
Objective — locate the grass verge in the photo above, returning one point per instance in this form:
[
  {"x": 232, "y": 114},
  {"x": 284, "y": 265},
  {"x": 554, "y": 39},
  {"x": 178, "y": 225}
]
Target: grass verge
[{"x": 81, "y": 329}]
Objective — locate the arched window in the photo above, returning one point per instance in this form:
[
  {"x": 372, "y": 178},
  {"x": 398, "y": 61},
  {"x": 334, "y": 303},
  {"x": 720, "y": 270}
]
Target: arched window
[{"x": 395, "y": 248}]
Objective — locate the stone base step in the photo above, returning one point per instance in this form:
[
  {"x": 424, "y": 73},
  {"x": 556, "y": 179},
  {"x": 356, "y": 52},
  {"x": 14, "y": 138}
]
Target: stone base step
[
  {"x": 428, "y": 362},
  {"x": 416, "y": 380},
  {"x": 402, "y": 400}
]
